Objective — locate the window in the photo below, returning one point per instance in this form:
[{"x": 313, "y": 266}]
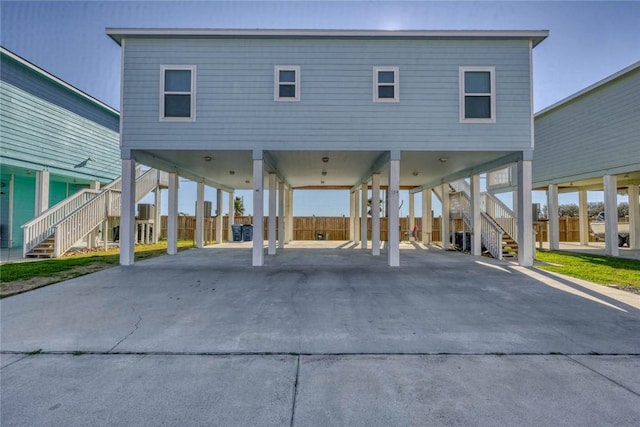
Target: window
[
  {"x": 286, "y": 83},
  {"x": 386, "y": 87},
  {"x": 477, "y": 95},
  {"x": 178, "y": 90}
]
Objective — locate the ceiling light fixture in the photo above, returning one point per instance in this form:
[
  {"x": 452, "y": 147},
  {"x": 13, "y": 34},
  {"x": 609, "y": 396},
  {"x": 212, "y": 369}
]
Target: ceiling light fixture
[
  {"x": 324, "y": 173},
  {"x": 247, "y": 181},
  {"x": 325, "y": 160},
  {"x": 443, "y": 159},
  {"x": 415, "y": 173},
  {"x": 232, "y": 172},
  {"x": 207, "y": 158}
]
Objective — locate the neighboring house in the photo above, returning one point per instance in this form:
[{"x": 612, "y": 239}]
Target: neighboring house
[
  {"x": 54, "y": 141},
  {"x": 238, "y": 109},
  {"x": 591, "y": 141}
]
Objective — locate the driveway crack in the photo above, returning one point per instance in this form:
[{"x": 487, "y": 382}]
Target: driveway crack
[
  {"x": 135, "y": 328},
  {"x": 295, "y": 393}
]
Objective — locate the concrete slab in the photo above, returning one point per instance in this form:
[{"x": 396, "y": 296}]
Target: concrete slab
[
  {"x": 458, "y": 391},
  {"x": 324, "y": 301},
  {"x": 624, "y": 370},
  {"x": 112, "y": 390}
]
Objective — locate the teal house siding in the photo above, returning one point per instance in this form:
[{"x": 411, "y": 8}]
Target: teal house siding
[
  {"x": 592, "y": 134},
  {"x": 235, "y": 90},
  {"x": 47, "y": 125}
]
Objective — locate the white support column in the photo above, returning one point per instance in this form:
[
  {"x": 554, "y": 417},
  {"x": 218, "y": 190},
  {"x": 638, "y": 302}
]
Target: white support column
[
  {"x": 525, "y": 218},
  {"x": 232, "y": 215},
  {"x": 352, "y": 216},
  {"x": 281, "y": 215},
  {"x": 219, "y": 216},
  {"x": 356, "y": 216},
  {"x": 610, "y": 215},
  {"x": 200, "y": 215},
  {"x": 476, "y": 230},
  {"x": 363, "y": 215},
  {"x": 554, "y": 219},
  {"x": 258, "y": 210},
  {"x": 172, "y": 214},
  {"x": 128, "y": 212},
  {"x": 157, "y": 218},
  {"x": 273, "y": 184},
  {"x": 375, "y": 214},
  {"x": 288, "y": 222},
  {"x": 412, "y": 216},
  {"x": 92, "y": 238},
  {"x": 634, "y": 217},
  {"x": 394, "y": 211},
  {"x": 42, "y": 192},
  {"x": 427, "y": 217},
  {"x": 583, "y": 210},
  {"x": 444, "y": 224}
]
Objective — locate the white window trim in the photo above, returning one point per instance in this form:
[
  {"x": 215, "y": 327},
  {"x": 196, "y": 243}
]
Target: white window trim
[
  {"x": 492, "y": 77},
  {"x": 396, "y": 84},
  {"x": 276, "y": 83},
  {"x": 193, "y": 70}
]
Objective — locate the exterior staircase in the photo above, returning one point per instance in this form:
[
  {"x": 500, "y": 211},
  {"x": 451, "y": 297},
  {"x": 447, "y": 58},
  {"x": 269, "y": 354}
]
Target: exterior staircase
[
  {"x": 497, "y": 222},
  {"x": 58, "y": 229}
]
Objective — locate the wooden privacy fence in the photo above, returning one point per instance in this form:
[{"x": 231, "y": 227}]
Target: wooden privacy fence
[{"x": 304, "y": 228}]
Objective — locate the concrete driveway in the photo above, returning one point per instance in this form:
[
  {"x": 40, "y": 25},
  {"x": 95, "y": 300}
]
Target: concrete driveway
[{"x": 324, "y": 336}]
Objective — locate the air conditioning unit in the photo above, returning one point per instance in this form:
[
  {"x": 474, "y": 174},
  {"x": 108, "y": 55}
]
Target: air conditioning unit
[{"x": 146, "y": 211}]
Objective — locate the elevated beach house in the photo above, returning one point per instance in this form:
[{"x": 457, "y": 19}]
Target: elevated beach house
[{"x": 289, "y": 109}]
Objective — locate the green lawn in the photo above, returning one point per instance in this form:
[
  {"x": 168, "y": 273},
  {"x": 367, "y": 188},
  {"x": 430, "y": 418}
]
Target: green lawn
[
  {"x": 609, "y": 271},
  {"x": 19, "y": 277}
]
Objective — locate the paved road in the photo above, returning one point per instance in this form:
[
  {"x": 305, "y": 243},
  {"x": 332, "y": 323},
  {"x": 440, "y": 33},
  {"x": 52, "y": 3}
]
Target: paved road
[{"x": 320, "y": 337}]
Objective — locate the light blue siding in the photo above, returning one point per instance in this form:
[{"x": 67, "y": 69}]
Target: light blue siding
[
  {"x": 24, "y": 202},
  {"x": 594, "y": 134},
  {"x": 235, "y": 106}
]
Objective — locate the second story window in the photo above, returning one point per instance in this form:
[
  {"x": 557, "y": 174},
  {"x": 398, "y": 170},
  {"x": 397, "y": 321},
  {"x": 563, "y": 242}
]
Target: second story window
[
  {"x": 177, "y": 89},
  {"x": 477, "y": 94},
  {"x": 286, "y": 83},
  {"x": 386, "y": 86}
]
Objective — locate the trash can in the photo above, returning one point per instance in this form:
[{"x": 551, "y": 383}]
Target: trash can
[
  {"x": 247, "y": 232},
  {"x": 236, "y": 231},
  {"x": 116, "y": 233},
  {"x": 319, "y": 236}
]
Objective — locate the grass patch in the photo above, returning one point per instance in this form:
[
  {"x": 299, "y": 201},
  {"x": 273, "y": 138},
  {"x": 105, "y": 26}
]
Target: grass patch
[
  {"x": 609, "y": 271},
  {"x": 19, "y": 277}
]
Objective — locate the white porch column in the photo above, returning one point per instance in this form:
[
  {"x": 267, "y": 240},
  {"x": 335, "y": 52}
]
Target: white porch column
[
  {"x": 157, "y": 218},
  {"x": 394, "y": 210},
  {"x": 42, "y": 192},
  {"x": 93, "y": 236},
  {"x": 412, "y": 216},
  {"x": 128, "y": 212},
  {"x": 583, "y": 210},
  {"x": 356, "y": 215},
  {"x": 289, "y": 221},
  {"x": 200, "y": 215},
  {"x": 273, "y": 184},
  {"x": 281, "y": 215},
  {"x": 172, "y": 214},
  {"x": 444, "y": 224},
  {"x": 258, "y": 209},
  {"x": 219, "y": 216},
  {"x": 427, "y": 217},
  {"x": 554, "y": 219},
  {"x": 375, "y": 214},
  {"x": 363, "y": 215},
  {"x": 352, "y": 216},
  {"x": 232, "y": 215},
  {"x": 525, "y": 218},
  {"x": 610, "y": 215},
  {"x": 634, "y": 217},
  {"x": 476, "y": 230}
]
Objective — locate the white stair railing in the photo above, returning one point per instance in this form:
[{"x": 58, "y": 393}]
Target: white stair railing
[
  {"x": 491, "y": 235},
  {"x": 39, "y": 229},
  {"x": 501, "y": 214}
]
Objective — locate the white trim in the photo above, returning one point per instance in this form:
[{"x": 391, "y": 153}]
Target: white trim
[
  {"x": 277, "y": 83},
  {"x": 57, "y": 80},
  {"x": 121, "y": 121},
  {"x": 463, "y": 94},
  {"x": 395, "y": 85},
  {"x": 12, "y": 180},
  {"x": 531, "y": 107},
  {"x": 118, "y": 34},
  {"x": 588, "y": 89},
  {"x": 191, "y": 93}
]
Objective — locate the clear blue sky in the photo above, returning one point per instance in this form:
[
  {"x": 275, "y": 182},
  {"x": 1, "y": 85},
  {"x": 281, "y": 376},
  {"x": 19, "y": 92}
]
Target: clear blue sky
[{"x": 588, "y": 41}]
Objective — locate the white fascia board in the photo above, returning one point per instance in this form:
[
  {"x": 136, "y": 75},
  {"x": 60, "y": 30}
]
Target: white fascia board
[
  {"x": 588, "y": 89},
  {"x": 58, "y": 81},
  {"x": 117, "y": 34}
]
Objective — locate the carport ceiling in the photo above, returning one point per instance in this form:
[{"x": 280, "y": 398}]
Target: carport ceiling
[{"x": 313, "y": 169}]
